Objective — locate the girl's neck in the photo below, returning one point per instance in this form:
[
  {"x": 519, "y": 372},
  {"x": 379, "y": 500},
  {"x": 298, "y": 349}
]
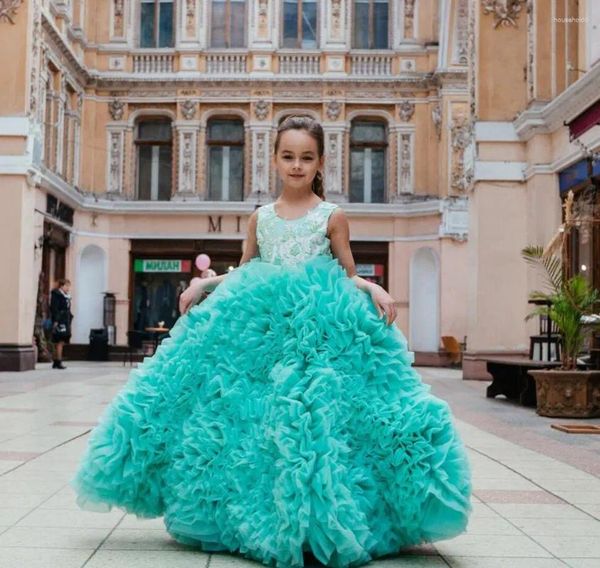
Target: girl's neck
[{"x": 295, "y": 197}]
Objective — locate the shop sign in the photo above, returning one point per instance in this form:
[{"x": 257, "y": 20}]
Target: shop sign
[
  {"x": 369, "y": 269},
  {"x": 161, "y": 265}
]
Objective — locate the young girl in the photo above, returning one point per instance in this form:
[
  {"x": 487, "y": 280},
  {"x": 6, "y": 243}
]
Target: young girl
[{"x": 283, "y": 416}]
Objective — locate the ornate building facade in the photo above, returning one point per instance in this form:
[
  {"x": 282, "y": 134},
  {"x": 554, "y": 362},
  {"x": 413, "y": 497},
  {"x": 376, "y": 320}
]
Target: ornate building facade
[{"x": 138, "y": 133}]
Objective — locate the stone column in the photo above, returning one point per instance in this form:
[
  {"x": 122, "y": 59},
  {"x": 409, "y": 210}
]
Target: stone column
[
  {"x": 187, "y": 137},
  {"x": 119, "y": 28},
  {"x": 115, "y": 137},
  {"x": 190, "y": 20},
  {"x": 261, "y": 144},
  {"x": 262, "y": 31},
  {"x": 335, "y": 35},
  {"x": 405, "y": 158}
]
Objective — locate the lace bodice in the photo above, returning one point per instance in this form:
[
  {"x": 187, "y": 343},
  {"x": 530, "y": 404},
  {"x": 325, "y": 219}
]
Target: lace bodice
[{"x": 290, "y": 241}]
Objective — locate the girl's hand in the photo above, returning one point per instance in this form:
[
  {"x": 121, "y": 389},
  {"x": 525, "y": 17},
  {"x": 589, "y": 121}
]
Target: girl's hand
[
  {"x": 191, "y": 296},
  {"x": 384, "y": 303}
]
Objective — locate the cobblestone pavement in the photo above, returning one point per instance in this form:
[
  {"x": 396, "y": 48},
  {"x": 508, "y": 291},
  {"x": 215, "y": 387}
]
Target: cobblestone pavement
[{"x": 536, "y": 490}]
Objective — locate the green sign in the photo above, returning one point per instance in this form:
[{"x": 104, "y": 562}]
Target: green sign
[{"x": 158, "y": 265}]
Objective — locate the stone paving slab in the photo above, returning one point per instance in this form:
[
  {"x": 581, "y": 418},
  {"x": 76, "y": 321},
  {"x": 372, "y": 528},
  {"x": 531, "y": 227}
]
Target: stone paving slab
[{"x": 536, "y": 500}]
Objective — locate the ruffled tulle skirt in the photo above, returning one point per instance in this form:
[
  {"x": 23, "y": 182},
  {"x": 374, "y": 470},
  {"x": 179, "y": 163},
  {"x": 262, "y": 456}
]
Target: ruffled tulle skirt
[{"x": 281, "y": 416}]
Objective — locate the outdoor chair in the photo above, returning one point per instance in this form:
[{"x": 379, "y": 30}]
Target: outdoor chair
[{"x": 453, "y": 348}]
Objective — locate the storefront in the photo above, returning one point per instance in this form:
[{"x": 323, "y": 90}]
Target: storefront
[
  {"x": 162, "y": 269},
  {"x": 371, "y": 259}
]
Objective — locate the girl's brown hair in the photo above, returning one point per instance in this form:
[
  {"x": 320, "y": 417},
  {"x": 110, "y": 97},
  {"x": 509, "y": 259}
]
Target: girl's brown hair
[
  {"x": 62, "y": 281},
  {"x": 315, "y": 130}
]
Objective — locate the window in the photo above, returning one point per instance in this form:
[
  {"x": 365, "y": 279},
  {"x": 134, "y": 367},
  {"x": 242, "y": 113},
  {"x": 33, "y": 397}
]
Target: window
[
  {"x": 300, "y": 24},
  {"x": 70, "y": 119},
  {"x": 370, "y": 24},
  {"x": 155, "y": 157},
  {"x": 368, "y": 143},
  {"x": 228, "y": 23},
  {"x": 225, "y": 160},
  {"x": 156, "y": 21},
  {"x": 51, "y": 118}
]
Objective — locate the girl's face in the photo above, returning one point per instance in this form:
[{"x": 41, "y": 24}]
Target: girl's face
[{"x": 297, "y": 159}]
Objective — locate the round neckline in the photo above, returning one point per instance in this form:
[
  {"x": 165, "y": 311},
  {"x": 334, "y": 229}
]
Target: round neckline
[{"x": 297, "y": 218}]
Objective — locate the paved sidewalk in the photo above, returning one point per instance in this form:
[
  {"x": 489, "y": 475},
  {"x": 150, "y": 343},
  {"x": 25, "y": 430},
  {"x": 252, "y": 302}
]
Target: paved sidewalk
[{"x": 536, "y": 503}]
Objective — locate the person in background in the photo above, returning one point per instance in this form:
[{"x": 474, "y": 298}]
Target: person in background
[{"x": 60, "y": 312}]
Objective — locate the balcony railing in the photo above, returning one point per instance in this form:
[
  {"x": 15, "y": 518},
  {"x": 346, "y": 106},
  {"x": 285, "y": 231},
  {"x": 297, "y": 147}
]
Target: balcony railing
[
  {"x": 371, "y": 64},
  {"x": 226, "y": 64},
  {"x": 153, "y": 63},
  {"x": 299, "y": 64}
]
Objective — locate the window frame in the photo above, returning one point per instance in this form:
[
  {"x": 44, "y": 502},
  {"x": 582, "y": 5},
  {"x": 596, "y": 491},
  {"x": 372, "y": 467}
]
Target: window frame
[
  {"x": 218, "y": 142},
  {"x": 152, "y": 142},
  {"x": 156, "y": 38},
  {"x": 299, "y": 34},
  {"x": 375, "y": 120},
  {"x": 371, "y": 27},
  {"x": 228, "y": 26}
]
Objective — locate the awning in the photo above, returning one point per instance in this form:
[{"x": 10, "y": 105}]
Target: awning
[{"x": 584, "y": 121}]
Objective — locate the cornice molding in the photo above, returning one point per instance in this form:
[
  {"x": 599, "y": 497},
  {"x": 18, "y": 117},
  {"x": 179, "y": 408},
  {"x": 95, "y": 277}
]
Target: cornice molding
[
  {"x": 64, "y": 49},
  {"x": 88, "y": 202},
  {"x": 546, "y": 118}
]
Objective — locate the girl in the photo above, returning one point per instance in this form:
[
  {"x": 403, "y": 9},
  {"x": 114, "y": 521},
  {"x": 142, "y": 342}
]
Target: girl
[
  {"x": 283, "y": 416},
  {"x": 60, "y": 313}
]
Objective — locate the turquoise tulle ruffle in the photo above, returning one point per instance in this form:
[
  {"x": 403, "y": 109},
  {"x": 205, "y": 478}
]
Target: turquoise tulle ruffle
[{"x": 282, "y": 415}]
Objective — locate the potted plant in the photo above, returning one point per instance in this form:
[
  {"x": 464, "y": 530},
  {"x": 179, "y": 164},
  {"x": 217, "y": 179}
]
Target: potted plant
[{"x": 565, "y": 392}]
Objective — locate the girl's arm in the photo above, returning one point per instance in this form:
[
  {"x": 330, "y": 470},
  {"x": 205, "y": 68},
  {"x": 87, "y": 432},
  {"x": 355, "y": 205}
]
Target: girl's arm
[
  {"x": 339, "y": 235},
  {"x": 193, "y": 293}
]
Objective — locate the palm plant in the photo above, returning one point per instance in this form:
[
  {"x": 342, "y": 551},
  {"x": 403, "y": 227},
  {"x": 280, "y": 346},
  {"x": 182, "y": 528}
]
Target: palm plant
[{"x": 567, "y": 302}]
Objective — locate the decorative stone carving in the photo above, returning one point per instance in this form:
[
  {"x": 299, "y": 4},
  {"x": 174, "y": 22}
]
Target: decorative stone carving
[
  {"x": 260, "y": 162},
  {"x": 34, "y": 77},
  {"x": 261, "y": 109},
  {"x": 405, "y": 163},
  {"x": 436, "y": 117},
  {"x": 406, "y": 110},
  {"x": 187, "y": 161},
  {"x": 333, "y": 162},
  {"x": 116, "y": 109},
  {"x": 472, "y": 72},
  {"x": 336, "y": 18},
  {"x": 115, "y": 154},
  {"x": 409, "y": 19},
  {"x": 333, "y": 110},
  {"x": 118, "y": 18},
  {"x": 455, "y": 218},
  {"x": 190, "y": 17},
  {"x": 188, "y": 109},
  {"x": 8, "y": 10},
  {"x": 461, "y": 131},
  {"x": 263, "y": 19},
  {"x": 530, "y": 50},
  {"x": 461, "y": 47},
  {"x": 505, "y": 12}
]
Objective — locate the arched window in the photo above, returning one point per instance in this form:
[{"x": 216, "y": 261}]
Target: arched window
[
  {"x": 368, "y": 145},
  {"x": 228, "y": 23},
  {"x": 156, "y": 23},
  {"x": 225, "y": 140},
  {"x": 154, "y": 142},
  {"x": 299, "y": 24},
  {"x": 370, "y": 24}
]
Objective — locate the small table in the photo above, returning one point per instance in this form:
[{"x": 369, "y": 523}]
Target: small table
[{"x": 156, "y": 333}]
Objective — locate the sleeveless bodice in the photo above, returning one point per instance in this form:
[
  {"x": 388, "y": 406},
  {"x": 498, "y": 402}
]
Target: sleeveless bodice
[{"x": 290, "y": 241}]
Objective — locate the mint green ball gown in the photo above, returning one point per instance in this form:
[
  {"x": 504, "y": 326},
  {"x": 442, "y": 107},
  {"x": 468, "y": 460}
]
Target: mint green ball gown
[{"x": 283, "y": 416}]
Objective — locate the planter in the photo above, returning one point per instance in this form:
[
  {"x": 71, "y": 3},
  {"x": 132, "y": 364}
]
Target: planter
[{"x": 567, "y": 394}]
